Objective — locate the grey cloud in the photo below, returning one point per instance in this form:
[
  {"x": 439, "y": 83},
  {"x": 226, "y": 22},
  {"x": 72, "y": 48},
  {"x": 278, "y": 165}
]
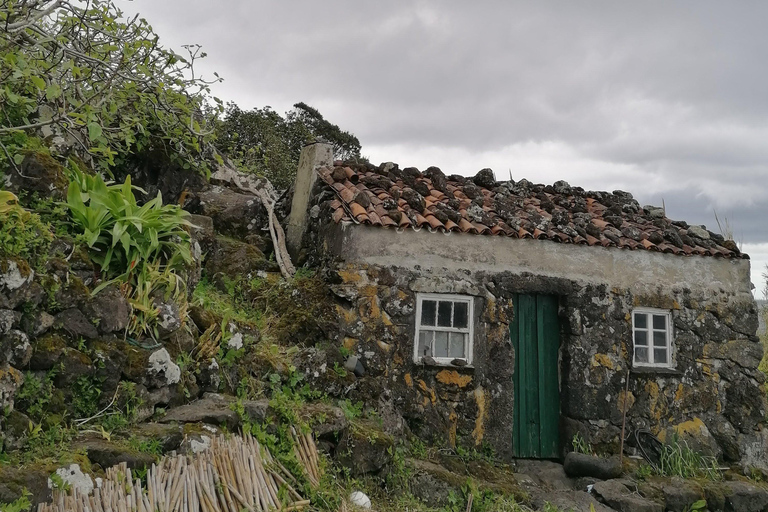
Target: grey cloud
[{"x": 674, "y": 90}]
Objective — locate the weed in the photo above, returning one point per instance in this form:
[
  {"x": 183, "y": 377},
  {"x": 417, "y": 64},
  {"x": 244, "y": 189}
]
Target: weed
[
  {"x": 22, "y": 233},
  {"x": 643, "y": 471},
  {"x": 19, "y": 505},
  {"x": 678, "y": 459},
  {"x": 696, "y": 506},
  {"x": 580, "y": 445},
  {"x": 35, "y": 393},
  {"x": 86, "y": 392}
]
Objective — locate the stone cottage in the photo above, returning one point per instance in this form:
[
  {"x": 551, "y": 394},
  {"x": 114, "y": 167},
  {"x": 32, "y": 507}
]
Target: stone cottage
[{"x": 513, "y": 315}]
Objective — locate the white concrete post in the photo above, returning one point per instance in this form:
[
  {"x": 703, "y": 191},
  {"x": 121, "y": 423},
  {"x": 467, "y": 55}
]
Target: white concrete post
[{"x": 313, "y": 156}]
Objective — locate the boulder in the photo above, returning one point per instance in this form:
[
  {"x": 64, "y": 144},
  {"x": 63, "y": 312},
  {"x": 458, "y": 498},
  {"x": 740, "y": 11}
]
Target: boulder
[
  {"x": 11, "y": 380},
  {"x": 38, "y": 173},
  {"x": 744, "y": 497},
  {"x": 234, "y": 259},
  {"x": 76, "y": 324},
  {"x": 74, "y": 478},
  {"x": 234, "y": 214},
  {"x": 109, "y": 310},
  {"x": 107, "y": 454},
  {"x": 617, "y": 496},
  {"x": 16, "y": 428},
  {"x": 161, "y": 370},
  {"x": 572, "y": 501},
  {"x": 168, "y": 318},
  {"x": 9, "y": 319},
  {"x": 36, "y": 323},
  {"x": 76, "y": 365},
  {"x": 364, "y": 449},
  {"x": 485, "y": 178},
  {"x": 580, "y": 464},
  {"x": 15, "y": 348},
  {"x": 16, "y": 280},
  {"x": 169, "y": 436},
  {"x": 15, "y": 480},
  {"x": 46, "y": 352},
  {"x": 324, "y": 418},
  {"x": 695, "y": 434},
  {"x": 217, "y": 409},
  {"x": 679, "y": 494}
]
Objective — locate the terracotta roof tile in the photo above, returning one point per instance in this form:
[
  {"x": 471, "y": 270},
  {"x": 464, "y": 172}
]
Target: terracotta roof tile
[{"x": 559, "y": 212}]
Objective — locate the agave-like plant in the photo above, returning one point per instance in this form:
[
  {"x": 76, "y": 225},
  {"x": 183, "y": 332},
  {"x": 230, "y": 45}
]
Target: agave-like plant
[
  {"x": 123, "y": 234},
  {"x": 139, "y": 246}
]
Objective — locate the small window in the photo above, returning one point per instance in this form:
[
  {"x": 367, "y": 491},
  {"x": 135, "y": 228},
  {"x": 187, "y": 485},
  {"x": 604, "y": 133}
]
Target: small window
[
  {"x": 443, "y": 328},
  {"x": 652, "y": 337}
]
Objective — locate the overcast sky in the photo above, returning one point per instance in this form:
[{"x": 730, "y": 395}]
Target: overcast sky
[{"x": 668, "y": 100}]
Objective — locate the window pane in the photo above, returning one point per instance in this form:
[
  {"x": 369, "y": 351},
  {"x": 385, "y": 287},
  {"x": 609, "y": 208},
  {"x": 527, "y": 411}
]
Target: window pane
[
  {"x": 444, "y": 313},
  {"x": 641, "y": 320},
  {"x": 641, "y": 354},
  {"x": 659, "y": 322},
  {"x": 460, "y": 315},
  {"x": 440, "y": 348},
  {"x": 660, "y": 356},
  {"x": 457, "y": 345},
  {"x": 425, "y": 340},
  {"x": 659, "y": 339},
  {"x": 428, "y": 308},
  {"x": 641, "y": 338}
]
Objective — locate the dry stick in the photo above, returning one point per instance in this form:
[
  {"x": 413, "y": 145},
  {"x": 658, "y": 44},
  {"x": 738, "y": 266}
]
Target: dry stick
[
  {"x": 240, "y": 498},
  {"x": 225, "y": 473},
  {"x": 287, "y": 486},
  {"x": 624, "y": 418},
  {"x": 469, "y": 502}
]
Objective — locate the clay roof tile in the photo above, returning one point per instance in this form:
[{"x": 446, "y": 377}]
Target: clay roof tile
[{"x": 502, "y": 205}]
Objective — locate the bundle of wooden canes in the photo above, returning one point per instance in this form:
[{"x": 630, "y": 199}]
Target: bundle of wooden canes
[{"x": 234, "y": 474}]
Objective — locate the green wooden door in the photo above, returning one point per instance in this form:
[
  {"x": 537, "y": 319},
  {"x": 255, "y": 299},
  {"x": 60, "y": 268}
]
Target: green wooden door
[{"x": 535, "y": 336}]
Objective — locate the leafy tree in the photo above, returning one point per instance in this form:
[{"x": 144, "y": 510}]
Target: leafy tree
[
  {"x": 345, "y": 145},
  {"x": 75, "y": 73},
  {"x": 268, "y": 144}
]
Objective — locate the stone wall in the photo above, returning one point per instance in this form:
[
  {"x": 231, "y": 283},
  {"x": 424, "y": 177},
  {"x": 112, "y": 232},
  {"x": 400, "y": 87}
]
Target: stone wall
[{"x": 713, "y": 397}]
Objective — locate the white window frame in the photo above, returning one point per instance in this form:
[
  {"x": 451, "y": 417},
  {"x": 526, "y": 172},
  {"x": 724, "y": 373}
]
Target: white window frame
[
  {"x": 469, "y": 299},
  {"x": 649, "y": 312}
]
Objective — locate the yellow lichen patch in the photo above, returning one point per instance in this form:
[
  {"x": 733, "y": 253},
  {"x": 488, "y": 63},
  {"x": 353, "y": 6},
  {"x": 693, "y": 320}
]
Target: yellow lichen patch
[
  {"x": 386, "y": 347},
  {"x": 350, "y": 276},
  {"x": 369, "y": 307},
  {"x": 368, "y": 291},
  {"x": 454, "y": 420},
  {"x": 627, "y": 317},
  {"x": 602, "y": 360},
  {"x": 625, "y": 401},
  {"x": 348, "y": 316},
  {"x": 428, "y": 392},
  {"x": 453, "y": 377},
  {"x": 482, "y": 411},
  {"x": 385, "y": 318},
  {"x": 655, "y": 407},
  {"x": 679, "y": 393},
  {"x": 408, "y": 380},
  {"x": 349, "y": 343},
  {"x": 397, "y": 359},
  {"x": 676, "y": 305},
  {"x": 694, "y": 428}
]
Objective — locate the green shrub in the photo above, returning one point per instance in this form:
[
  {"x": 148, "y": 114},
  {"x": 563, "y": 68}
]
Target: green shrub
[
  {"x": 139, "y": 246},
  {"x": 22, "y": 233}
]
